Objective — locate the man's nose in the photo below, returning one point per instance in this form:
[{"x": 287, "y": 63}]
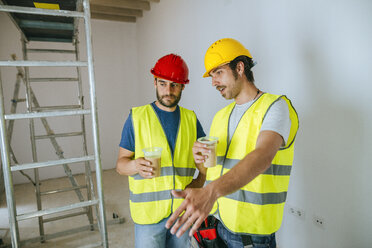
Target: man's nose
[
  {"x": 214, "y": 82},
  {"x": 168, "y": 88}
]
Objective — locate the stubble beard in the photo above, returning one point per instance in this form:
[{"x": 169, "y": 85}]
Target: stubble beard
[{"x": 171, "y": 104}]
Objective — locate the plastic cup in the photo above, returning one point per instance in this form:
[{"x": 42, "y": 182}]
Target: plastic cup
[
  {"x": 211, "y": 141},
  {"x": 153, "y": 154}
]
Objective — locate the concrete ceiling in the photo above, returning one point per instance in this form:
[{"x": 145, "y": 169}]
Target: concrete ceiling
[{"x": 119, "y": 10}]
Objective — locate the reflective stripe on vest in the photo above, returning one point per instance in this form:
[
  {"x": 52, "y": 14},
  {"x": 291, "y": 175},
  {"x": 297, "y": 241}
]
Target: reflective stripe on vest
[
  {"x": 168, "y": 171},
  {"x": 274, "y": 169},
  {"x": 150, "y": 199},
  {"x": 256, "y": 208}
]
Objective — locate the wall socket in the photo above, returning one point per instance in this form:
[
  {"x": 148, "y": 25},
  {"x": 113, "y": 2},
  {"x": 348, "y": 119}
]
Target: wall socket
[
  {"x": 318, "y": 221},
  {"x": 300, "y": 213},
  {"x": 297, "y": 212}
]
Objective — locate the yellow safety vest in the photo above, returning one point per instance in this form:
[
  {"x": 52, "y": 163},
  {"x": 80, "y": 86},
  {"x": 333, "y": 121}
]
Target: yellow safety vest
[
  {"x": 150, "y": 199},
  {"x": 256, "y": 208}
]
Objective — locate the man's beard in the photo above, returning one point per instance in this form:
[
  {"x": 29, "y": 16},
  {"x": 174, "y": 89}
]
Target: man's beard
[{"x": 171, "y": 104}]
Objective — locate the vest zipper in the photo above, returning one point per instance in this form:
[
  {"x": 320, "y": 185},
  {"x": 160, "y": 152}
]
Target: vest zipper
[
  {"x": 229, "y": 141},
  {"x": 172, "y": 155}
]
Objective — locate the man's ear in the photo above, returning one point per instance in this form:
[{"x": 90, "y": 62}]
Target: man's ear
[
  {"x": 155, "y": 80},
  {"x": 183, "y": 86},
  {"x": 240, "y": 68}
]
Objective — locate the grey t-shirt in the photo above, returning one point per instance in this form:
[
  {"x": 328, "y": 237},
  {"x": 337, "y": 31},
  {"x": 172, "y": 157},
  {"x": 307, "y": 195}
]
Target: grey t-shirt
[{"x": 277, "y": 118}]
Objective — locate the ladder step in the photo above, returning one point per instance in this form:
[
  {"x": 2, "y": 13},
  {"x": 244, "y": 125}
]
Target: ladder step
[
  {"x": 32, "y": 80},
  {"x": 64, "y": 216},
  {"x": 58, "y": 135},
  {"x": 60, "y": 107},
  {"x": 47, "y": 114},
  {"x": 56, "y": 210},
  {"x": 62, "y": 190},
  {"x": 47, "y": 25},
  {"x": 50, "y": 51},
  {"x": 27, "y": 10},
  {"x": 50, "y": 163},
  {"x": 46, "y": 39},
  {"x": 18, "y": 100},
  {"x": 29, "y": 63}
]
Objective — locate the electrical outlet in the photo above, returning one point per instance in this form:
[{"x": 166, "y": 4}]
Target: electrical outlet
[
  {"x": 297, "y": 212},
  {"x": 300, "y": 213},
  {"x": 319, "y": 221}
]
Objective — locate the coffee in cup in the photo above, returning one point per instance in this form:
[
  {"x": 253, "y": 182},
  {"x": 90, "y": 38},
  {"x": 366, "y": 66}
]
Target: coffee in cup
[
  {"x": 211, "y": 143},
  {"x": 153, "y": 154}
]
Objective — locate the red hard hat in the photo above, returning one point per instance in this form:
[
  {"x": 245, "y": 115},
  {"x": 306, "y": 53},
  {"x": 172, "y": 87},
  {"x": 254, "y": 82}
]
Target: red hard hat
[{"x": 172, "y": 67}]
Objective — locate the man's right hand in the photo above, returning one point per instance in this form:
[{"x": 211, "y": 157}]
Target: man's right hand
[
  {"x": 195, "y": 208},
  {"x": 197, "y": 150},
  {"x": 143, "y": 168}
]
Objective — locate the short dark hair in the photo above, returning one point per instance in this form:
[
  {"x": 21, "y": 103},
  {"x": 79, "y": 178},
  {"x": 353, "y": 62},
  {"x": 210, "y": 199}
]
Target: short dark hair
[{"x": 248, "y": 64}]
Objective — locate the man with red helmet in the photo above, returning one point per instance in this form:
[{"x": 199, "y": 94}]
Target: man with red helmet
[{"x": 175, "y": 129}]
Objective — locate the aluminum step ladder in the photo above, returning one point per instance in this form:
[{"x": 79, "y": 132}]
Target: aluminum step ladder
[
  {"x": 37, "y": 112},
  {"x": 52, "y": 136},
  {"x": 13, "y": 109}
]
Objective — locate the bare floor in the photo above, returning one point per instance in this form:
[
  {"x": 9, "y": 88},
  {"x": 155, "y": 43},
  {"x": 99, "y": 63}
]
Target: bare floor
[{"x": 116, "y": 196}]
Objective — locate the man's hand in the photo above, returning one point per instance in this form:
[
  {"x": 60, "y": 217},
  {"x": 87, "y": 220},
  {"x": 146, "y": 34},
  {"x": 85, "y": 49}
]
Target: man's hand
[
  {"x": 125, "y": 165},
  {"x": 197, "y": 205},
  {"x": 199, "y": 202},
  {"x": 143, "y": 168},
  {"x": 198, "y": 149}
]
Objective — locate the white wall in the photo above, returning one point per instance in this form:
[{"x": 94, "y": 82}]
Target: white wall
[
  {"x": 115, "y": 58},
  {"x": 318, "y": 53}
]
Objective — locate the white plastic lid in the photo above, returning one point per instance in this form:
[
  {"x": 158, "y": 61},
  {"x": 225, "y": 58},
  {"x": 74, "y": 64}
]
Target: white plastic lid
[
  {"x": 209, "y": 140},
  {"x": 152, "y": 151}
]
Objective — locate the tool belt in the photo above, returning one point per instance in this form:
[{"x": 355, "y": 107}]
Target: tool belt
[{"x": 207, "y": 236}]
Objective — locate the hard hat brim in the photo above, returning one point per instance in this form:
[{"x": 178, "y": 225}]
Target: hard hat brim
[
  {"x": 206, "y": 74},
  {"x": 168, "y": 78}
]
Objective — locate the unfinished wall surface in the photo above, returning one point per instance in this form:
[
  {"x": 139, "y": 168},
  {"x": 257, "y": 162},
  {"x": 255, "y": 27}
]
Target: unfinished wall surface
[
  {"x": 115, "y": 63},
  {"x": 318, "y": 54}
]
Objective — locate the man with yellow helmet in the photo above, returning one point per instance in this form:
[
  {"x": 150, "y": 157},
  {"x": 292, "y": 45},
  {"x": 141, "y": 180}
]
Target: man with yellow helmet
[
  {"x": 247, "y": 189},
  {"x": 166, "y": 125}
]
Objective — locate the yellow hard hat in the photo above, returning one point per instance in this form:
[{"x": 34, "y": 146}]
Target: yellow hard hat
[{"x": 221, "y": 52}]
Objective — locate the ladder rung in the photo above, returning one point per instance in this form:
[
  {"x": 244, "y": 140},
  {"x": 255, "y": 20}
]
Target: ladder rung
[
  {"x": 47, "y": 25},
  {"x": 29, "y": 63},
  {"x": 50, "y": 163},
  {"x": 62, "y": 190},
  {"x": 46, "y": 39},
  {"x": 64, "y": 216},
  {"x": 58, "y": 135},
  {"x": 56, "y": 210},
  {"x": 19, "y": 100},
  {"x": 50, "y": 51},
  {"x": 53, "y": 79},
  {"x": 46, "y": 114},
  {"x": 37, "y": 11},
  {"x": 60, "y": 107}
]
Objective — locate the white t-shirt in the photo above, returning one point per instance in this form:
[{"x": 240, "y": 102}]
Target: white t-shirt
[{"x": 276, "y": 119}]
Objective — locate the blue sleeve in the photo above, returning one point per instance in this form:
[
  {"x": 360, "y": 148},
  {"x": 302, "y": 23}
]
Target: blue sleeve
[
  {"x": 200, "y": 131},
  {"x": 127, "y": 135}
]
